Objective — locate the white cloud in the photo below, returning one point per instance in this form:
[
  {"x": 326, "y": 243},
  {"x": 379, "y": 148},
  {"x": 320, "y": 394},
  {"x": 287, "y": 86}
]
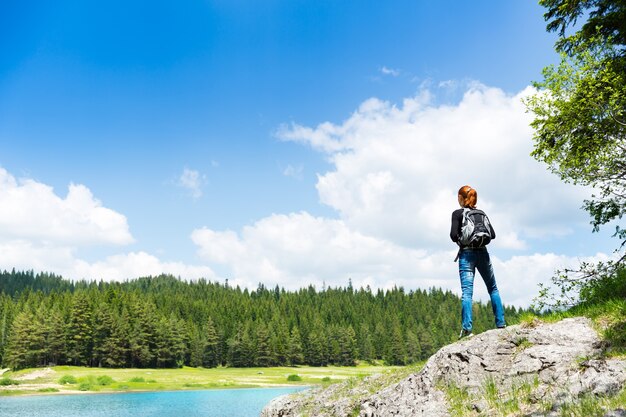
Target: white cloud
[
  {"x": 298, "y": 249},
  {"x": 132, "y": 265},
  {"x": 62, "y": 260},
  {"x": 42, "y": 231},
  {"x": 192, "y": 181},
  {"x": 390, "y": 71},
  {"x": 293, "y": 172},
  {"x": 396, "y": 171},
  {"x": 31, "y": 210},
  {"x": 448, "y": 84}
]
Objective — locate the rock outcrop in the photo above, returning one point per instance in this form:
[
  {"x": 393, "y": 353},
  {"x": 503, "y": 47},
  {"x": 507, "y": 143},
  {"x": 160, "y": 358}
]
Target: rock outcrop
[{"x": 536, "y": 369}]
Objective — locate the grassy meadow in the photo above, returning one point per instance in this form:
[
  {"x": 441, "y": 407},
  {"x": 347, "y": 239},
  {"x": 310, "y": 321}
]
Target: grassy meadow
[{"x": 74, "y": 379}]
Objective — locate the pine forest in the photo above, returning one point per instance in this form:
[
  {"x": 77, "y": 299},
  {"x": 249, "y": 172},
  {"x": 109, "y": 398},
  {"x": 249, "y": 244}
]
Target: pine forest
[{"x": 166, "y": 322}]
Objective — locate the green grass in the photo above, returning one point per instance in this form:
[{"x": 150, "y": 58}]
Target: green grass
[
  {"x": 74, "y": 378},
  {"x": 8, "y": 381},
  {"x": 459, "y": 401},
  {"x": 67, "y": 379},
  {"x": 517, "y": 401},
  {"x": 513, "y": 401}
]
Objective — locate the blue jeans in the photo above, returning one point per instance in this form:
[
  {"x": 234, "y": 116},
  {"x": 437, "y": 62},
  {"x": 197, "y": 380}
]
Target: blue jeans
[{"x": 469, "y": 260}]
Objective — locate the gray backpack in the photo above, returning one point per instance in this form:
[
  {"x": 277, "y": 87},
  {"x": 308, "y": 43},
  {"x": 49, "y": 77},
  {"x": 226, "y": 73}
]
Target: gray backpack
[{"x": 475, "y": 229}]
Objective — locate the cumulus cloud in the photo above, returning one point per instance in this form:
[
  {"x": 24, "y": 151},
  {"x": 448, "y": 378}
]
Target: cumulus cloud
[
  {"x": 393, "y": 183},
  {"x": 62, "y": 260},
  {"x": 299, "y": 249},
  {"x": 31, "y": 210},
  {"x": 132, "y": 265},
  {"x": 43, "y": 231},
  {"x": 397, "y": 169},
  {"x": 192, "y": 181}
]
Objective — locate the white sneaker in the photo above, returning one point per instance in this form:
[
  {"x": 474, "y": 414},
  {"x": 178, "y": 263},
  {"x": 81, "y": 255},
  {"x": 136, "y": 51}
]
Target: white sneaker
[{"x": 465, "y": 333}]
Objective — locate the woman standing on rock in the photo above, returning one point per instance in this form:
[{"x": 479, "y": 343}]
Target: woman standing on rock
[{"x": 472, "y": 231}]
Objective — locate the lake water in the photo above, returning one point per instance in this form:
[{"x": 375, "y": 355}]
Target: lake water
[{"x": 209, "y": 403}]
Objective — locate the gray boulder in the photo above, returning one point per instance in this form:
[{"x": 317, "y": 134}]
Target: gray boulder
[{"x": 538, "y": 367}]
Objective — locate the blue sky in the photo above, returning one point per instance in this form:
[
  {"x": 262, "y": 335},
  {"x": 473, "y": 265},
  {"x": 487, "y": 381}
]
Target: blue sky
[{"x": 211, "y": 138}]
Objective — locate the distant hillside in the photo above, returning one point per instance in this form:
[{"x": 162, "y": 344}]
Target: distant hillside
[{"x": 165, "y": 322}]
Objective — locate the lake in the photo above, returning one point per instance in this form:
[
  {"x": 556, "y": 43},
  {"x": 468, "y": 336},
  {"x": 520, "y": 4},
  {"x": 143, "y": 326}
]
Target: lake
[{"x": 208, "y": 403}]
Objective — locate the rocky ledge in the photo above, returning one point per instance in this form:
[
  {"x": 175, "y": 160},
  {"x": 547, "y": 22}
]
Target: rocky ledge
[{"x": 536, "y": 369}]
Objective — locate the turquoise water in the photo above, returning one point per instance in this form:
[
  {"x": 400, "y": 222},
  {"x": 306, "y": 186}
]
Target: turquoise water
[{"x": 210, "y": 403}]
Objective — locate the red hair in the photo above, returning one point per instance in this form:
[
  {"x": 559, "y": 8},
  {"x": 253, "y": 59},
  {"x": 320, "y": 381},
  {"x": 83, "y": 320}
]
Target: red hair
[{"x": 469, "y": 196}]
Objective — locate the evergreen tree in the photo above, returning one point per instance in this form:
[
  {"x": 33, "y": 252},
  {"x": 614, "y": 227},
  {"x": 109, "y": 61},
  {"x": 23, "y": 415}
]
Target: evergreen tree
[
  {"x": 55, "y": 337},
  {"x": 79, "y": 331},
  {"x": 263, "y": 355},
  {"x": 426, "y": 342},
  {"x": 317, "y": 352},
  {"x": 116, "y": 347},
  {"x": 413, "y": 347},
  {"x": 211, "y": 353},
  {"x": 142, "y": 334},
  {"x": 296, "y": 354},
  {"x": 170, "y": 343},
  {"x": 279, "y": 336},
  {"x": 380, "y": 340},
  {"x": 179, "y": 342},
  {"x": 347, "y": 347},
  {"x": 396, "y": 351},
  {"x": 366, "y": 346},
  {"x": 197, "y": 347},
  {"x": 18, "y": 353},
  {"x": 103, "y": 328},
  {"x": 241, "y": 348}
]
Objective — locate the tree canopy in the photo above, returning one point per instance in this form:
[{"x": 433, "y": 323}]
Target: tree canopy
[
  {"x": 580, "y": 112},
  {"x": 165, "y": 322}
]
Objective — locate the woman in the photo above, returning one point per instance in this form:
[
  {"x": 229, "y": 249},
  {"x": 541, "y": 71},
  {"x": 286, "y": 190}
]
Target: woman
[{"x": 469, "y": 260}]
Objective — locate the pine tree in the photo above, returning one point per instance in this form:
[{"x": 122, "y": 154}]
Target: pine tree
[
  {"x": 413, "y": 347},
  {"x": 117, "y": 345},
  {"x": 79, "y": 331},
  {"x": 366, "y": 346},
  {"x": 179, "y": 341},
  {"x": 279, "y": 335},
  {"x": 18, "y": 354},
  {"x": 263, "y": 355},
  {"x": 103, "y": 328},
  {"x": 197, "y": 347},
  {"x": 396, "y": 350},
  {"x": 295, "y": 354},
  {"x": 348, "y": 350},
  {"x": 55, "y": 337},
  {"x": 241, "y": 348},
  {"x": 142, "y": 334},
  {"x": 380, "y": 340},
  {"x": 317, "y": 350},
  {"x": 427, "y": 345},
  {"x": 211, "y": 353}
]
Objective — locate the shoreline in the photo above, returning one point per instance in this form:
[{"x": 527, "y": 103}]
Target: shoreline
[
  {"x": 140, "y": 391},
  {"x": 74, "y": 380}
]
